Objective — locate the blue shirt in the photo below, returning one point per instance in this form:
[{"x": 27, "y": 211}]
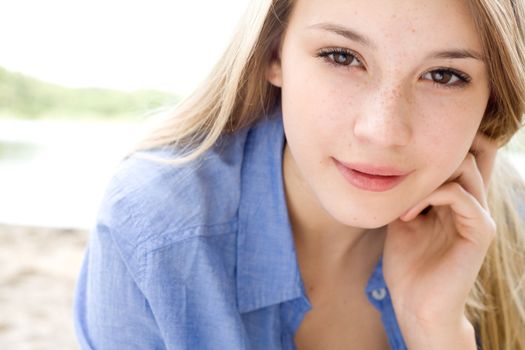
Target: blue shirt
[{"x": 201, "y": 256}]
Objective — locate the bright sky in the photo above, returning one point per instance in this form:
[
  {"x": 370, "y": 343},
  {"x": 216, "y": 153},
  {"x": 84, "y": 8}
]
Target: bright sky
[{"x": 168, "y": 45}]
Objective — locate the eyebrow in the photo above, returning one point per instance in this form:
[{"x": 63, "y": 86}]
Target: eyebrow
[
  {"x": 345, "y": 32},
  {"x": 460, "y": 53},
  {"x": 363, "y": 39}
]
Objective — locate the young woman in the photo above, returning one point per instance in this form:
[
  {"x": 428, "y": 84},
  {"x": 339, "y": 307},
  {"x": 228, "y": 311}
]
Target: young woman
[{"x": 333, "y": 185}]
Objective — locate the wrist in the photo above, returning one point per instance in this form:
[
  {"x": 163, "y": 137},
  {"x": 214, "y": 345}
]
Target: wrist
[{"x": 429, "y": 337}]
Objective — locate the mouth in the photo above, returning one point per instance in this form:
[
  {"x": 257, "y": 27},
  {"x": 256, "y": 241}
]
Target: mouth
[{"x": 373, "y": 178}]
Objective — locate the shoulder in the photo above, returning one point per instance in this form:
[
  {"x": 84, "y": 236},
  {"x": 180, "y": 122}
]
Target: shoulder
[{"x": 151, "y": 203}]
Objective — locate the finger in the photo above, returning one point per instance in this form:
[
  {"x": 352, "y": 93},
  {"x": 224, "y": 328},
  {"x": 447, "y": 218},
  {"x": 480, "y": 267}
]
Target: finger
[
  {"x": 473, "y": 222},
  {"x": 485, "y": 151},
  {"x": 453, "y": 194},
  {"x": 474, "y": 172},
  {"x": 469, "y": 177}
]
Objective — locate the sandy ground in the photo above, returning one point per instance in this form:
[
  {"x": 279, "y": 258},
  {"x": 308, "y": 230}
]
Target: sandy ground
[{"x": 38, "y": 272}]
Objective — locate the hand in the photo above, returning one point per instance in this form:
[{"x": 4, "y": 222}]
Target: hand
[{"x": 431, "y": 261}]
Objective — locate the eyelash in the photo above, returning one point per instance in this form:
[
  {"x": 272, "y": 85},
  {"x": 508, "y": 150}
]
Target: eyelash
[
  {"x": 325, "y": 53},
  {"x": 463, "y": 79}
]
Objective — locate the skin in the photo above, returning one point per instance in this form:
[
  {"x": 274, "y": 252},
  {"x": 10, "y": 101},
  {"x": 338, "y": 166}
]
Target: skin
[{"x": 389, "y": 106}]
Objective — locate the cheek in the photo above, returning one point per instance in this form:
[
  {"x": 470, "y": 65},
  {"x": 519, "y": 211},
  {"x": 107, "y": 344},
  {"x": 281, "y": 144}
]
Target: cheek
[
  {"x": 320, "y": 102},
  {"x": 445, "y": 133}
]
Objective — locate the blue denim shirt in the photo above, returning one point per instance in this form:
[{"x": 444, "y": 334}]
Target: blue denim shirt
[{"x": 201, "y": 256}]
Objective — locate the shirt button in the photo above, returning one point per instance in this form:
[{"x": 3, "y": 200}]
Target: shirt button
[{"x": 379, "y": 294}]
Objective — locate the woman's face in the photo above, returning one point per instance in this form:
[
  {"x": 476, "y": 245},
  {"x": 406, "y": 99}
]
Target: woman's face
[{"x": 387, "y": 87}]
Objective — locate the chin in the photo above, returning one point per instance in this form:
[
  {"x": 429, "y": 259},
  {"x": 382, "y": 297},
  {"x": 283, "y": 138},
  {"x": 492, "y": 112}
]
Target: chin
[{"x": 365, "y": 220}]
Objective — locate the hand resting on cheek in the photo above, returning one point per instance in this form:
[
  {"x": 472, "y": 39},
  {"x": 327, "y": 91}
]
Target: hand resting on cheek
[{"x": 431, "y": 261}]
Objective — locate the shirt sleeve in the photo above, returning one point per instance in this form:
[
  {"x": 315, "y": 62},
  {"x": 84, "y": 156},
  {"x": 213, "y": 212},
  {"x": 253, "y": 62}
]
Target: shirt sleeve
[
  {"x": 154, "y": 275},
  {"x": 110, "y": 310}
]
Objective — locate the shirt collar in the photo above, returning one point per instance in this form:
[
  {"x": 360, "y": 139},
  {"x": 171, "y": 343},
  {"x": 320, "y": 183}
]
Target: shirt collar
[{"x": 267, "y": 269}]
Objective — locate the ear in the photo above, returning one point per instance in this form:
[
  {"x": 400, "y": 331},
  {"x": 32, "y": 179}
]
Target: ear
[{"x": 274, "y": 71}]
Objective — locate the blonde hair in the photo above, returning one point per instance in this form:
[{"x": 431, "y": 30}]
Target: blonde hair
[
  {"x": 497, "y": 305},
  {"x": 237, "y": 93}
]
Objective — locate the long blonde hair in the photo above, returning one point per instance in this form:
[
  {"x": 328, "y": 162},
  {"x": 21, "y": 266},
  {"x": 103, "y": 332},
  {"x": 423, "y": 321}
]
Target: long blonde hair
[{"x": 237, "y": 93}]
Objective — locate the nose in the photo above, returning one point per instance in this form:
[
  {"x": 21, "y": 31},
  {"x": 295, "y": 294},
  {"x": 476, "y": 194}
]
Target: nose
[{"x": 384, "y": 118}]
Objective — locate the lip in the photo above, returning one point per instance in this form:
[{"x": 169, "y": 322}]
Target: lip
[{"x": 374, "y": 178}]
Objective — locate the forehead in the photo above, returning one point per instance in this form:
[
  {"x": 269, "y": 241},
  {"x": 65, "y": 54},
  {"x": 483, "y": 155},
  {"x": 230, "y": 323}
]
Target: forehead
[{"x": 441, "y": 22}]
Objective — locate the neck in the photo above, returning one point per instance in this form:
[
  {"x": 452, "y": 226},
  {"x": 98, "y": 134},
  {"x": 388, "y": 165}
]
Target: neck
[{"x": 318, "y": 236}]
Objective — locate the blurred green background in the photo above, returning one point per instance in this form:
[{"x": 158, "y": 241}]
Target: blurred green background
[{"x": 25, "y": 97}]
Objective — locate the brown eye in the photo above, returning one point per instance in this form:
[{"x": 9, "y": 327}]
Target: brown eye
[
  {"x": 447, "y": 77},
  {"x": 441, "y": 77},
  {"x": 340, "y": 57}
]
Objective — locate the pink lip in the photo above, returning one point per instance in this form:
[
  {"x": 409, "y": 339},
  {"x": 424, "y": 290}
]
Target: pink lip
[{"x": 371, "y": 177}]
